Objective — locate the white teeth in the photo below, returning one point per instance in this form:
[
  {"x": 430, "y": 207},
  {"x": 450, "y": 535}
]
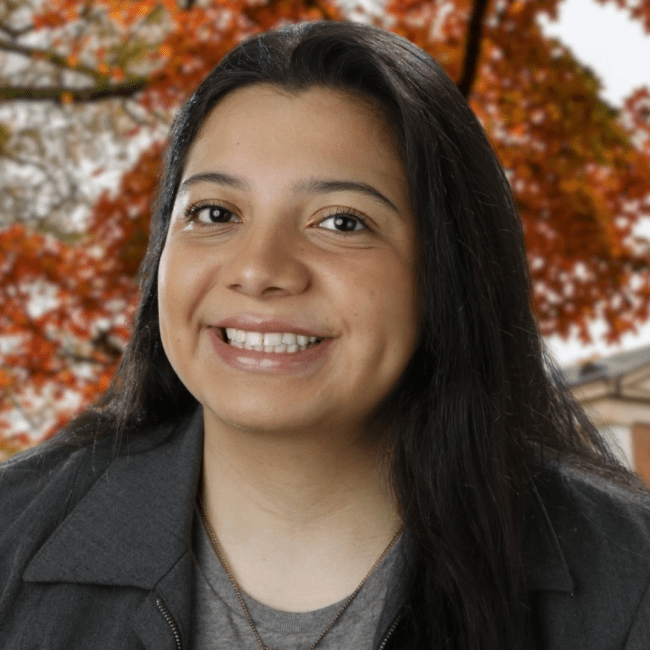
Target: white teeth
[
  {"x": 234, "y": 335},
  {"x": 270, "y": 341}
]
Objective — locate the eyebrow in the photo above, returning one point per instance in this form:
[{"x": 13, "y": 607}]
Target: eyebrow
[
  {"x": 316, "y": 186},
  {"x": 219, "y": 178},
  {"x": 312, "y": 186}
]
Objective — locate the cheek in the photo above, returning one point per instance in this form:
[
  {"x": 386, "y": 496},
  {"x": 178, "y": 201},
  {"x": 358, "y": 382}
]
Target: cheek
[
  {"x": 178, "y": 290},
  {"x": 183, "y": 277},
  {"x": 169, "y": 279},
  {"x": 163, "y": 271},
  {"x": 167, "y": 303},
  {"x": 399, "y": 296},
  {"x": 401, "y": 316},
  {"x": 381, "y": 304}
]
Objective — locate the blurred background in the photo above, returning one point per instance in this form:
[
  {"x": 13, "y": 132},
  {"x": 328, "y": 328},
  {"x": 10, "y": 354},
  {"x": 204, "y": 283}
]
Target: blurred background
[{"x": 88, "y": 90}]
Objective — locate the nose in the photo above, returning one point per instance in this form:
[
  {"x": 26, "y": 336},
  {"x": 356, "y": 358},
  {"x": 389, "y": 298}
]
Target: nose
[{"x": 264, "y": 263}]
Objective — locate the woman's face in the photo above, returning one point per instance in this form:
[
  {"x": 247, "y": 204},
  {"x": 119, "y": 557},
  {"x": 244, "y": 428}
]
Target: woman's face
[{"x": 287, "y": 290}]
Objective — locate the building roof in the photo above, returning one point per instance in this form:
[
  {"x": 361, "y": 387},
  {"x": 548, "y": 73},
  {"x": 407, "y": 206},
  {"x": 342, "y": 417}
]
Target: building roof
[{"x": 609, "y": 367}]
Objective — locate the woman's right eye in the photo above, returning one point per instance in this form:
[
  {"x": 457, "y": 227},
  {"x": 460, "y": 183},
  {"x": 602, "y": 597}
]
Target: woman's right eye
[{"x": 209, "y": 214}]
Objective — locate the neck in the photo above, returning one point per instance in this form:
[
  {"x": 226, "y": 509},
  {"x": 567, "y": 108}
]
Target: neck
[
  {"x": 286, "y": 506},
  {"x": 301, "y": 483}
]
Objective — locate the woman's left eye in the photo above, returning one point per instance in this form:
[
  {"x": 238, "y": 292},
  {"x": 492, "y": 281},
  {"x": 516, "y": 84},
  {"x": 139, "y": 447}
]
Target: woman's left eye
[{"x": 343, "y": 223}]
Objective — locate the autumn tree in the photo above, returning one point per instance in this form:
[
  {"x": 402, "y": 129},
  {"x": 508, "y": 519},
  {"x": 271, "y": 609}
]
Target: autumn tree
[{"x": 87, "y": 87}]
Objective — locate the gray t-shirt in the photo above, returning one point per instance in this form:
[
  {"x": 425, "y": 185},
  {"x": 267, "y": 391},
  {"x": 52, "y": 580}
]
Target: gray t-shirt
[{"x": 218, "y": 622}]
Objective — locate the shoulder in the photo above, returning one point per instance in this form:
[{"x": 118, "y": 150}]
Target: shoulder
[
  {"x": 27, "y": 471},
  {"x": 583, "y": 506},
  {"x": 600, "y": 531},
  {"x": 50, "y": 479},
  {"x": 39, "y": 485},
  {"x": 37, "y": 490}
]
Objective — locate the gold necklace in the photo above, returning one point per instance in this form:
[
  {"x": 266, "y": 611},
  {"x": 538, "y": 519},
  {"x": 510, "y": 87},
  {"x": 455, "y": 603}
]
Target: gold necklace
[{"x": 240, "y": 598}]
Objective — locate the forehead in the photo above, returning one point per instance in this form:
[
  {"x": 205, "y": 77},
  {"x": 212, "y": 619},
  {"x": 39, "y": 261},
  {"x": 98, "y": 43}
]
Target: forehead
[
  {"x": 262, "y": 100},
  {"x": 318, "y": 130}
]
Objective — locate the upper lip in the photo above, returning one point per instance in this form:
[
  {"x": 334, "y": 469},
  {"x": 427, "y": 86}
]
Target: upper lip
[{"x": 267, "y": 324}]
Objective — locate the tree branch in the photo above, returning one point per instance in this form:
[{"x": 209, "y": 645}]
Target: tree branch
[
  {"x": 51, "y": 57},
  {"x": 62, "y": 94},
  {"x": 12, "y": 32},
  {"x": 78, "y": 358},
  {"x": 321, "y": 6},
  {"x": 473, "y": 47}
]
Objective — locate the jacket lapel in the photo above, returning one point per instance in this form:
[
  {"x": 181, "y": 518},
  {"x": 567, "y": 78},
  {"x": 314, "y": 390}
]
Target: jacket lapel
[
  {"x": 137, "y": 543},
  {"x": 143, "y": 543}
]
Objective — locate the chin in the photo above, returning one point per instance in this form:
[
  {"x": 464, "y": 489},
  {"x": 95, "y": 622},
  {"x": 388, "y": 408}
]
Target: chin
[{"x": 275, "y": 419}]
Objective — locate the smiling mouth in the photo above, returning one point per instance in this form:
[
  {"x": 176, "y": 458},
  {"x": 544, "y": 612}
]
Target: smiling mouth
[{"x": 278, "y": 342}]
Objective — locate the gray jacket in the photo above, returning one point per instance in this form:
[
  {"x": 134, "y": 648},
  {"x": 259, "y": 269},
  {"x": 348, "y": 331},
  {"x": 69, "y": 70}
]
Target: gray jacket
[{"x": 95, "y": 553}]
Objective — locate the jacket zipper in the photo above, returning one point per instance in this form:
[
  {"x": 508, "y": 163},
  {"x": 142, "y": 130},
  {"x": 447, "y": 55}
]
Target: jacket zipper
[
  {"x": 171, "y": 622},
  {"x": 389, "y": 633}
]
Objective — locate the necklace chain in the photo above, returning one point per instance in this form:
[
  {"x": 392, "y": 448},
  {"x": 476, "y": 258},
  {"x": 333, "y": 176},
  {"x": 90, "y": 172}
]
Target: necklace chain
[{"x": 242, "y": 602}]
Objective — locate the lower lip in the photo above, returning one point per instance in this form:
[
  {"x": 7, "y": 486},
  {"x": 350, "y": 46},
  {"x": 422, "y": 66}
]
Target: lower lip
[{"x": 269, "y": 362}]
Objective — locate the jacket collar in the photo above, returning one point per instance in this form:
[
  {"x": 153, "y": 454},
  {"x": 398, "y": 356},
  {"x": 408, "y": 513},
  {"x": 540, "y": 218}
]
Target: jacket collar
[{"x": 137, "y": 543}]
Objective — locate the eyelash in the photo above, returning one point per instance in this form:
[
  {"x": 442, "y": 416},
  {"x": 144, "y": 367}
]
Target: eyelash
[
  {"x": 339, "y": 211},
  {"x": 191, "y": 212}
]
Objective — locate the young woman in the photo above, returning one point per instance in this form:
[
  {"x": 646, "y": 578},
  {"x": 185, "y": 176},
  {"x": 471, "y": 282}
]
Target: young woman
[{"x": 334, "y": 426}]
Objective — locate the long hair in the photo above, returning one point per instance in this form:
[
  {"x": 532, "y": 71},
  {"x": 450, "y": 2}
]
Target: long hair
[{"x": 479, "y": 400}]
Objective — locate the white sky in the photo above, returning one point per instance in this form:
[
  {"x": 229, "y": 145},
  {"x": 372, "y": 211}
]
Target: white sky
[
  {"x": 617, "y": 49},
  {"x": 608, "y": 41}
]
